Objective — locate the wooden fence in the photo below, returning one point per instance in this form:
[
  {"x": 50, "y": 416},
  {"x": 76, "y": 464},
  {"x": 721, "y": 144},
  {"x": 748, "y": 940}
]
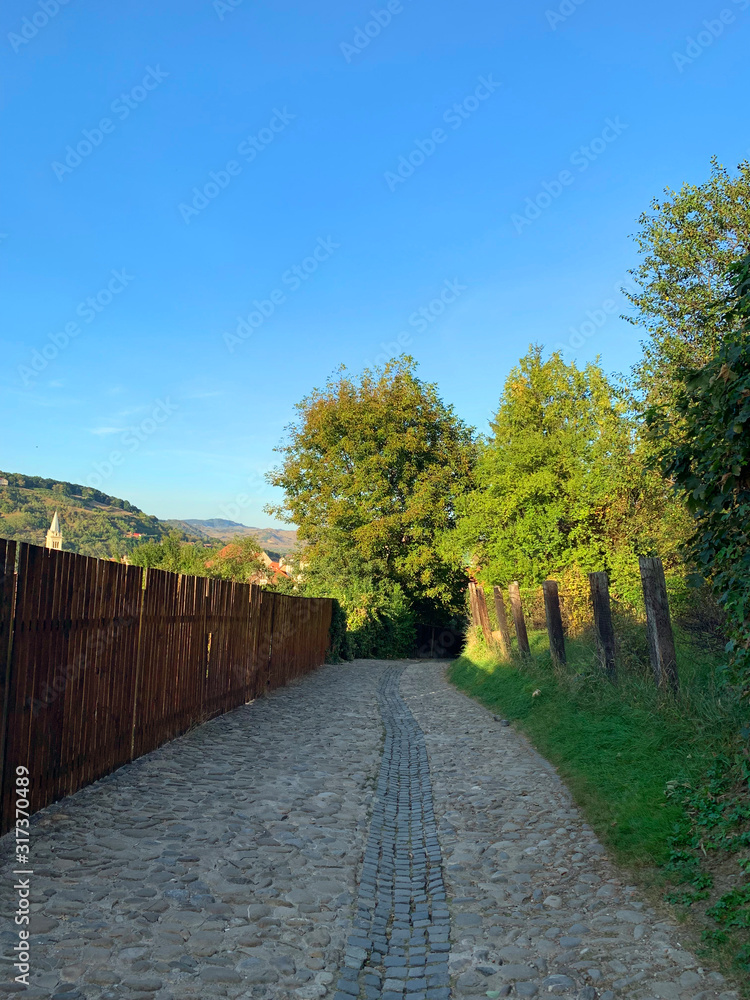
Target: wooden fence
[
  {"x": 658, "y": 622},
  {"x": 101, "y": 662}
]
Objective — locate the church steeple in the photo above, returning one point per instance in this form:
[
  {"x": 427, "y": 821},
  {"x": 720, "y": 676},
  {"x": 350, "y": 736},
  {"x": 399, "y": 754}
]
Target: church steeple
[{"x": 54, "y": 535}]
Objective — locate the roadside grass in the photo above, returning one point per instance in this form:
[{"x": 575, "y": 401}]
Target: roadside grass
[{"x": 630, "y": 755}]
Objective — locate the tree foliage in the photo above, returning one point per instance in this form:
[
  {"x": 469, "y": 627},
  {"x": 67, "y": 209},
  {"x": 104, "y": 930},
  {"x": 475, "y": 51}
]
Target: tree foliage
[
  {"x": 705, "y": 450},
  {"x": 687, "y": 241},
  {"x": 239, "y": 560},
  {"x": 371, "y": 473},
  {"x": 561, "y": 481}
]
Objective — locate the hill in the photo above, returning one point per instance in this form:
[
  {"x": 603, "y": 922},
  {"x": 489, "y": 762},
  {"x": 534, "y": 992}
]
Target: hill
[
  {"x": 97, "y": 524},
  {"x": 275, "y": 540},
  {"x": 94, "y": 523}
]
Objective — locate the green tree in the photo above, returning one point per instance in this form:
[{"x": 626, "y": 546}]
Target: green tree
[
  {"x": 687, "y": 242},
  {"x": 239, "y": 560},
  {"x": 705, "y": 451},
  {"x": 561, "y": 481},
  {"x": 166, "y": 554},
  {"x": 371, "y": 473}
]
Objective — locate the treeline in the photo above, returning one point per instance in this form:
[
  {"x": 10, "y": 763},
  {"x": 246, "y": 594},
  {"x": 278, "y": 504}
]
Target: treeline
[
  {"x": 66, "y": 489},
  {"x": 399, "y": 501},
  {"x": 240, "y": 560}
]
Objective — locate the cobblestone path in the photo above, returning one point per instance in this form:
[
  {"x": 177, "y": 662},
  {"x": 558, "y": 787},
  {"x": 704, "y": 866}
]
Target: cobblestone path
[
  {"x": 401, "y": 941},
  {"x": 286, "y": 852}
]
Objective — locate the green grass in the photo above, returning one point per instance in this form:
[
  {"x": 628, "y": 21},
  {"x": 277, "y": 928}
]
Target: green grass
[{"x": 618, "y": 748}]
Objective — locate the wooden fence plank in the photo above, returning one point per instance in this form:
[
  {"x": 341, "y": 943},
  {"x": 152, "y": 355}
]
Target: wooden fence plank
[
  {"x": 659, "y": 623},
  {"x": 605, "y": 633},
  {"x": 514, "y": 592},
  {"x": 502, "y": 623},
  {"x": 554, "y": 622},
  {"x": 479, "y": 610}
]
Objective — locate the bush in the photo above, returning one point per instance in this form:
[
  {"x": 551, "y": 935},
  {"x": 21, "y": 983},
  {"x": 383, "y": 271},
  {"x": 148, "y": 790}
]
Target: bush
[{"x": 381, "y": 625}]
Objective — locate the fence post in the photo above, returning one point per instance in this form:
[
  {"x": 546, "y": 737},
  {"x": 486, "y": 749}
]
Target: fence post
[
  {"x": 514, "y": 593},
  {"x": 605, "y": 633},
  {"x": 479, "y": 610},
  {"x": 659, "y": 624},
  {"x": 554, "y": 622},
  {"x": 502, "y": 622}
]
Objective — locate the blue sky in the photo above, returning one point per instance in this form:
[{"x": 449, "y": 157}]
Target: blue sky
[{"x": 315, "y": 175}]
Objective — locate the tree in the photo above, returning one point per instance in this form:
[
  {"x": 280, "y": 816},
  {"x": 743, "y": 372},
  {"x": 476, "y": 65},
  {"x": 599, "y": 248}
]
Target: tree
[
  {"x": 166, "y": 554},
  {"x": 688, "y": 241},
  {"x": 239, "y": 560},
  {"x": 705, "y": 450},
  {"x": 561, "y": 481},
  {"x": 371, "y": 473}
]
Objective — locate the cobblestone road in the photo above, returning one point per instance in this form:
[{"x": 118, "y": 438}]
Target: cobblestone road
[{"x": 287, "y": 851}]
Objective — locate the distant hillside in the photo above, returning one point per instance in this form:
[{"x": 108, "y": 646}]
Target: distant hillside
[
  {"x": 271, "y": 539},
  {"x": 97, "y": 524},
  {"x": 93, "y": 523}
]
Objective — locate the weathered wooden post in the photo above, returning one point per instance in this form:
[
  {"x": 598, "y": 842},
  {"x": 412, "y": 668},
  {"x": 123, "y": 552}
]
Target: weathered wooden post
[
  {"x": 605, "y": 633},
  {"x": 502, "y": 623},
  {"x": 479, "y": 610},
  {"x": 659, "y": 624},
  {"x": 518, "y": 620},
  {"x": 554, "y": 622}
]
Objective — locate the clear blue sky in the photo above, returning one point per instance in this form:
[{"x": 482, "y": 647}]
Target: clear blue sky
[{"x": 304, "y": 128}]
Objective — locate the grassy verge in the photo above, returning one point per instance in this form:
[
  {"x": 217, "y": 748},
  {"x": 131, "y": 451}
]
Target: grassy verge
[{"x": 633, "y": 758}]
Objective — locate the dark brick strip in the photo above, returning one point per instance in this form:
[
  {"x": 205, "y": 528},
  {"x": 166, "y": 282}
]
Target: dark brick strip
[{"x": 399, "y": 946}]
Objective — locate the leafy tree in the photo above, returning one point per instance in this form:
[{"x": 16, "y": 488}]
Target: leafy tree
[
  {"x": 561, "y": 481},
  {"x": 238, "y": 561},
  {"x": 705, "y": 450},
  {"x": 371, "y": 472},
  {"x": 688, "y": 240}
]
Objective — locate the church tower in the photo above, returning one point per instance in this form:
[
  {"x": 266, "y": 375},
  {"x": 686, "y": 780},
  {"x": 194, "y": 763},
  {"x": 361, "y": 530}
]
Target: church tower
[{"x": 54, "y": 535}]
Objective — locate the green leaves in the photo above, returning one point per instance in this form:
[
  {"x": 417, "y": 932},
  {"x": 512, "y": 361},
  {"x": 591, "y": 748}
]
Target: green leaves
[
  {"x": 705, "y": 450},
  {"x": 371, "y": 474},
  {"x": 687, "y": 242},
  {"x": 562, "y": 481}
]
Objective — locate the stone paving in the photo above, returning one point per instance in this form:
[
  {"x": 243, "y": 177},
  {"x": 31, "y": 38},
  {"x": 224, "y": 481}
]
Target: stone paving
[
  {"x": 286, "y": 852},
  {"x": 401, "y": 942}
]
